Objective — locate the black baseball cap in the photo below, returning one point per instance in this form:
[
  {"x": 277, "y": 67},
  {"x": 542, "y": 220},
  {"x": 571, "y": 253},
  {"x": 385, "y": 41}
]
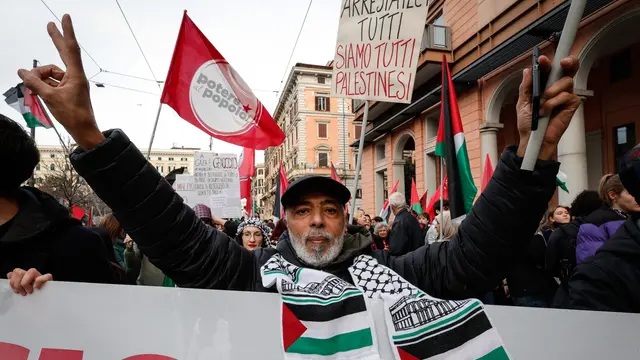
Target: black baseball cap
[{"x": 315, "y": 183}]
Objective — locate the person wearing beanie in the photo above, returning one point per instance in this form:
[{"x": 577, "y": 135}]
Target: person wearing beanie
[
  {"x": 204, "y": 213},
  {"x": 610, "y": 280}
]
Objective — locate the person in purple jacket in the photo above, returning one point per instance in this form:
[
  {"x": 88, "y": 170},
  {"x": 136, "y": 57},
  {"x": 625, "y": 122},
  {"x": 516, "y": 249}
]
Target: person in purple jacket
[{"x": 604, "y": 222}]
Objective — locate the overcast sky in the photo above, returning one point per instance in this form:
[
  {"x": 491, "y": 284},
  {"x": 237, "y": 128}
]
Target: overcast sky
[{"x": 255, "y": 36}]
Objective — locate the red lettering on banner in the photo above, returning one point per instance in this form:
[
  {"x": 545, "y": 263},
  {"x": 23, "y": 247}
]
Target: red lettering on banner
[
  {"x": 13, "y": 352},
  {"x": 60, "y": 354},
  {"x": 338, "y": 64},
  {"x": 149, "y": 357}
]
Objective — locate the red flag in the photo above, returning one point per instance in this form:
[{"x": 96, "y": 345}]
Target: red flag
[
  {"x": 246, "y": 171},
  {"x": 436, "y": 197},
  {"x": 284, "y": 183},
  {"x": 245, "y": 192},
  {"x": 77, "y": 212},
  {"x": 205, "y": 90},
  {"x": 247, "y": 163},
  {"x": 488, "y": 172},
  {"x": 334, "y": 174}
]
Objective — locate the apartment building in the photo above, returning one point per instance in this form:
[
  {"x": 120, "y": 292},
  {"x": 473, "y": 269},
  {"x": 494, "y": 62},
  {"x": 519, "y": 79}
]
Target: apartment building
[
  {"x": 318, "y": 131},
  {"x": 488, "y": 43}
]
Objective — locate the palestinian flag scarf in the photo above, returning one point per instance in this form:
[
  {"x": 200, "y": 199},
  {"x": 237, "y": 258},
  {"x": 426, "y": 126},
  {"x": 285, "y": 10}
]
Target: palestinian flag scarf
[{"x": 325, "y": 317}]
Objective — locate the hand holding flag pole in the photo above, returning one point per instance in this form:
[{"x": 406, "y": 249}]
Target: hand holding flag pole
[{"x": 540, "y": 136}]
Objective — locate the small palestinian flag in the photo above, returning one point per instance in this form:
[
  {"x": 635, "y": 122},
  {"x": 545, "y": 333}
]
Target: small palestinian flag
[{"x": 27, "y": 104}]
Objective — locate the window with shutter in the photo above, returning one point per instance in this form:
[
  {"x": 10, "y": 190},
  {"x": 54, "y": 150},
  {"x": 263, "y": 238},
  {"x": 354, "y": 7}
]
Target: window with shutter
[
  {"x": 321, "y": 79},
  {"x": 323, "y": 159},
  {"x": 322, "y": 130},
  {"x": 358, "y": 129},
  {"x": 322, "y": 103}
]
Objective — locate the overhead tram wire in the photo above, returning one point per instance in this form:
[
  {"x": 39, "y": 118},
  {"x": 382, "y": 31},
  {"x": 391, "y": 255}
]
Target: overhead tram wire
[
  {"x": 286, "y": 70},
  {"x": 139, "y": 47},
  {"x": 81, "y": 47},
  {"x": 102, "y": 84},
  {"x": 100, "y": 68}
]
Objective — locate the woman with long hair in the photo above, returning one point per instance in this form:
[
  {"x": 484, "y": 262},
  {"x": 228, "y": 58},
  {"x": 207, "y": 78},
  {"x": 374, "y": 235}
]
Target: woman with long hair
[
  {"x": 556, "y": 217},
  {"x": 604, "y": 222},
  {"x": 112, "y": 235}
]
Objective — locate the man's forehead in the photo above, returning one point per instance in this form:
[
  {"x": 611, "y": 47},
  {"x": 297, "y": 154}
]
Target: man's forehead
[{"x": 316, "y": 197}]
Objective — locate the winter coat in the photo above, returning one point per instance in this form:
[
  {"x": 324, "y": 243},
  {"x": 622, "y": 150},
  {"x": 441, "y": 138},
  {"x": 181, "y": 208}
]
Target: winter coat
[
  {"x": 610, "y": 280},
  {"x": 560, "y": 255},
  {"x": 598, "y": 227},
  {"x": 528, "y": 276},
  {"x": 195, "y": 255},
  {"x": 44, "y": 236},
  {"x": 406, "y": 234}
]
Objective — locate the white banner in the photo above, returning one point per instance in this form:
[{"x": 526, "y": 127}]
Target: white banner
[
  {"x": 378, "y": 48},
  {"x": 72, "y": 321},
  {"x": 215, "y": 182}
]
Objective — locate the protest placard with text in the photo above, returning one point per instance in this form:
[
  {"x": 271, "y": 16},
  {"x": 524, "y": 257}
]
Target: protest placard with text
[
  {"x": 215, "y": 183},
  {"x": 378, "y": 48}
]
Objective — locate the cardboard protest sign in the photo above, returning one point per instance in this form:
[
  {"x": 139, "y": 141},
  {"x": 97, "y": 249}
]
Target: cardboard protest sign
[
  {"x": 378, "y": 48},
  {"x": 215, "y": 183}
]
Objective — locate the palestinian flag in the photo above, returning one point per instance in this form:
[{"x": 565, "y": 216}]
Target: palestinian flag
[
  {"x": 488, "y": 172},
  {"x": 337, "y": 327},
  {"x": 27, "y": 104},
  {"x": 385, "y": 212},
  {"x": 281, "y": 186},
  {"x": 452, "y": 147},
  {"x": 454, "y": 330},
  {"x": 415, "y": 199}
]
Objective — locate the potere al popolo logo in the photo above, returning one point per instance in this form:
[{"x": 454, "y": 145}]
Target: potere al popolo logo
[{"x": 221, "y": 101}]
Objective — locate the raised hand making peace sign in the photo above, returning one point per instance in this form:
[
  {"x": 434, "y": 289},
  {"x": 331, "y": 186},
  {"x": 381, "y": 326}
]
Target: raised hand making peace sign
[{"x": 66, "y": 94}]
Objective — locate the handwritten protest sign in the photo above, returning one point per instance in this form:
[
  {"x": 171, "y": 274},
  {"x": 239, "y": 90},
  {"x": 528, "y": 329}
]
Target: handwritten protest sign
[
  {"x": 215, "y": 182},
  {"x": 378, "y": 48}
]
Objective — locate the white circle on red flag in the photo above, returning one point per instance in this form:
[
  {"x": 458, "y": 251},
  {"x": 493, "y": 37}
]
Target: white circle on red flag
[{"x": 221, "y": 101}]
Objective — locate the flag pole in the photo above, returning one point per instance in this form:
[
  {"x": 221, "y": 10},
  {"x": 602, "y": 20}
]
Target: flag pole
[
  {"x": 153, "y": 133},
  {"x": 365, "y": 117},
  {"x": 32, "y": 180},
  {"x": 571, "y": 25},
  {"x": 441, "y": 196}
]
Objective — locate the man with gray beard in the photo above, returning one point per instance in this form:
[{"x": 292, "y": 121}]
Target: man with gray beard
[{"x": 196, "y": 255}]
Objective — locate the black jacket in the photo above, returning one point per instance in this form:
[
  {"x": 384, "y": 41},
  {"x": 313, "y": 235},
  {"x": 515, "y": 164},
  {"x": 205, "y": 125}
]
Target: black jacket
[
  {"x": 405, "y": 235},
  {"x": 528, "y": 277},
  {"x": 43, "y": 236},
  {"x": 198, "y": 256},
  {"x": 560, "y": 255},
  {"x": 610, "y": 280}
]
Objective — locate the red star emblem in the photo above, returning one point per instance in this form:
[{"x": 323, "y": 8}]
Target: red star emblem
[{"x": 246, "y": 108}]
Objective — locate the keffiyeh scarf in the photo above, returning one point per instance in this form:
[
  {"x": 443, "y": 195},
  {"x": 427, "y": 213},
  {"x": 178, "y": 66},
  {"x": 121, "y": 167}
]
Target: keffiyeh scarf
[
  {"x": 325, "y": 317},
  {"x": 255, "y": 222}
]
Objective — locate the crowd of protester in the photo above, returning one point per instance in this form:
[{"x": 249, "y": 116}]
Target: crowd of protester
[{"x": 512, "y": 248}]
